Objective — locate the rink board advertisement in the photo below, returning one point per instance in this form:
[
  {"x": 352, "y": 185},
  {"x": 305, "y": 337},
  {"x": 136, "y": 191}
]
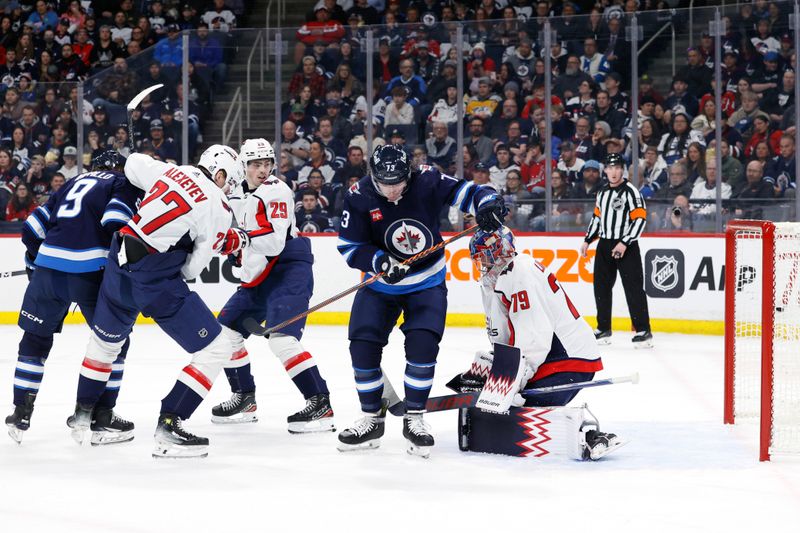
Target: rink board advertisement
[{"x": 683, "y": 279}]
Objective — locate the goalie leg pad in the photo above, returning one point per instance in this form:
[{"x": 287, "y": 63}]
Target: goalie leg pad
[{"x": 526, "y": 431}]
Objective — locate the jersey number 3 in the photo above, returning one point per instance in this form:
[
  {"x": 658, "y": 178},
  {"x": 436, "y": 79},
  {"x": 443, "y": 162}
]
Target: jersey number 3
[{"x": 179, "y": 206}]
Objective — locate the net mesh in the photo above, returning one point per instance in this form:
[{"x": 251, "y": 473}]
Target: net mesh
[{"x": 785, "y": 371}]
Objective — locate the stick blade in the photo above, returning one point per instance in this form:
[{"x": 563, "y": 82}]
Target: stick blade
[{"x": 133, "y": 104}]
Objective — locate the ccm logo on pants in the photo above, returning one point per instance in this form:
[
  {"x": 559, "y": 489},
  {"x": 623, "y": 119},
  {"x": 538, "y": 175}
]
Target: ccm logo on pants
[{"x": 31, "y": 317}]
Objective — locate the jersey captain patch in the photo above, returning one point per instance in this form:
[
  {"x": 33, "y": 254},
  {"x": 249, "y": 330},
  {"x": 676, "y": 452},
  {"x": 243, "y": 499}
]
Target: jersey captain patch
[{"x": 407, "y": 237}]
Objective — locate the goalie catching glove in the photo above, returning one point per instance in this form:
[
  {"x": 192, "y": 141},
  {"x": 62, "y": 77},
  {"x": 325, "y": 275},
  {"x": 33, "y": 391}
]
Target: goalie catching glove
[
  {"x": 235, "y": 240},
  {"x": 393, "y": 271}
]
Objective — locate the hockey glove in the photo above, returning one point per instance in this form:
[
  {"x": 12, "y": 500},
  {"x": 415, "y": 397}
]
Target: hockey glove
[
  {"x": 235, "y": 240},
  {"x": 393, "y": 271},
  {"x": 491, "y": 214}
]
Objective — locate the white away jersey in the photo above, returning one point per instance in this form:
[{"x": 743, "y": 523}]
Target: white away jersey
[
  {"x": 529, "y": 309},
  {"x": 181, "y": 209},
  {"x": 267, "y": 215}
]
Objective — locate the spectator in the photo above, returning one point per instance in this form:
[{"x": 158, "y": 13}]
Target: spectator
[
  {"x": 561, "y": 213},
  {"x": 369, "y": 15},
  {"x": 768, "y": 77},
  {"x": 585, "y": 191},
  {"x": 287, "y": 173},
  {"x": 757, "y": 188},
  {"x": 764, "y": 42},
  {"x": 518, "y": 200},
  {"x": 303, "y": 110},
  {"x": 532, "y": 168},
  {"x": 762, "y": 132},
  {"x": 326, "y": 192},
  {"x": 218, "y": 18},
  {"x": 70, "y": 66},
  {"x": 781, "y": 169},
  {"x": 594, "y": 63},
  {"x": 311, "y": 218},
  {"x": 483, "y": 104},
  {"x": 441, "y": 148},
  {"x": 567, "y": 85},
  {"x": 704, "y": 193},
  {"x": 582, "y": 104},
  {"x": 342, "y": 129},
  {"x": 569, "y": 164},
  {"x": 105, "y": 50},
  {"x": 121, "y": 30},
  {"x": 355, "y": 166},
  {"x": 445, "y": 109},
  {"x": 705, "y": 121},
  {"x": 387, "y": 62},
  {"x": 483, "y": 144},
  {"x": 653, "y": 172},
  {"x": 100, "y": 124},
  {"x": 189, "y": 19},
  {"x": 117, "y": 87},
  {"x": 522, "y": 58},
  {"x": 165, "y": 148},
  {"x": 732, "y": 169},
  {"x": 646, "y": 90},
  {"x": 398, "y": 111},
  {"x": 348, "y": 85},
  {"x": 37, "y": 135},
  {"x": 606, "y": 113},
  {"x": 680, "y": 98},
  {"x": 317, "y": 160},
  {"x": 70, "y": 168},
  {"x": 697, "y": 75},
  {"x": 337, "y": 150},
  {"x": 506, "y": 32},
  {"x": 674, "y": 143},
  {"x": 426, "y": 64},
  {"x": 414, "y": 85},
  {"x": 323, "y": 28},
  {"x": 308, "y": 76},
  {"x": 678, "y": 184},
  {"x": 205, "y": 53},
  {"x": 169, "y": 52},
  {"x": 481, "y": 176},
  {"x": 21, "y": 204},
  {"x": 500, "y": 170},
  {"x": 776, "y": 101},
  {"x": 295, "y": 146},
  {"x": 742, "y": 118},
  {"x": 42, "y": 18},
  {"x": 680, "y": 216},
  {"x": 377, "y": 140}
]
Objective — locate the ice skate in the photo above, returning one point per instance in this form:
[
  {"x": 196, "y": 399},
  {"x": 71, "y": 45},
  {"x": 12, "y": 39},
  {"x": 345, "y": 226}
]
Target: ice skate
[
  {"x": 642, "y": 339},
  {"x": 175, "y": 442},
  {"x": 315, "y": 417},
  {"x": 80, "y": 422},
  {"x": 418, "y": 434},
  {"x": 19, "y": 421},
  {"x": 240, "y": 409},
  {"x": 603, "y": 337},
  {"x": 108, "y": 428},
  {"x": 599, "y": 444},
  {"x": 366, "y": 433}
]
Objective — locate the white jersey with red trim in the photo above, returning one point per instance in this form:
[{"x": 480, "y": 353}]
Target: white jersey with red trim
[
  {"x": 268, "y": 217},
  {"x": 529, "y": 309},
  {"x": 181, "y": 209}
]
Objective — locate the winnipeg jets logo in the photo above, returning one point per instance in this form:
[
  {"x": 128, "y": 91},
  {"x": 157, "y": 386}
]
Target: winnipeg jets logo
[{"x": 407, "y": 237}]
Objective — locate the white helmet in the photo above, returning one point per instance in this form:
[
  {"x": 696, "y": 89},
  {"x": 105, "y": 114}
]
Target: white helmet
[
  {"x": 254, "y": 149},
  {"x": 218, "y": 157}
]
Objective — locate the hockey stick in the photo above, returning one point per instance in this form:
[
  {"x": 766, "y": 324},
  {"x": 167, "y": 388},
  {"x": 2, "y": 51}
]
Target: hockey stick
[
  {"x": 254, "y": 327},
  {"x": 469, "y": 399},
  {"x": 12, "y": 273},
  {"x": 133, "y": 104}
]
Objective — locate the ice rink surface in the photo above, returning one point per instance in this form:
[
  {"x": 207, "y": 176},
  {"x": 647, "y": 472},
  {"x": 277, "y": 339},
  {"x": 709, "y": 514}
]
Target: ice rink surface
[{"x": 682, "y": 471}]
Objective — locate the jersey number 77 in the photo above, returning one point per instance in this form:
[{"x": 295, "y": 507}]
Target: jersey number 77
[{"x": 173, "y": 200}]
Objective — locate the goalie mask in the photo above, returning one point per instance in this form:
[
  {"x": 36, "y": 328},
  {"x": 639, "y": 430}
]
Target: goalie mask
[{"x": 491, "y": 253}]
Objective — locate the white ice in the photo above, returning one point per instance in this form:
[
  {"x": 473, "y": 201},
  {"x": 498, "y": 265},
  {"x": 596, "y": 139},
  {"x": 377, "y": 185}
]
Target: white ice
[{"x": 683, "y": 470}]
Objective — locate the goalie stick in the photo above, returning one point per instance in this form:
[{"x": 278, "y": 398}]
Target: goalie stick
[
  {"x": 254, "y": 327},
  {"x": 469, "y": 399},
  {"x": 133, "y": 104}
]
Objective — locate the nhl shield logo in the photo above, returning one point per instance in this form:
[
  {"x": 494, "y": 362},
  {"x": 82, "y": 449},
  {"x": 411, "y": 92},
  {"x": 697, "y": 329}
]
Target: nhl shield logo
[
  {"x": 664, "y": 273},
  {"x": 618, "y": 203},
  {"x": 407, "y": 237}
]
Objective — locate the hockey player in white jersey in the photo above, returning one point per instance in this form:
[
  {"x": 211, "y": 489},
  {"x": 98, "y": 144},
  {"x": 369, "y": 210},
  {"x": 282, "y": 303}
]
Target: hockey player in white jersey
[
  {"x": 182, "y": 222},
  {"x": 527, "y": 308},
  {"x": 277, "y": 283}
]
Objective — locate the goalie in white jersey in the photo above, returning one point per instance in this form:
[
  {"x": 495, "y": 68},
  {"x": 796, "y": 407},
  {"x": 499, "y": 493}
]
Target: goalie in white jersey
[
  {"x": 182, "y": 222},
  {"x": 277, "y": 283},
  {"x": 528, "y": 309}
]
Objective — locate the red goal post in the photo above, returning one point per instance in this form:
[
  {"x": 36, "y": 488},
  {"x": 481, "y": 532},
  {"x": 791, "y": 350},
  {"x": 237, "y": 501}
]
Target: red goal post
[{"x": 762, "y": 331}]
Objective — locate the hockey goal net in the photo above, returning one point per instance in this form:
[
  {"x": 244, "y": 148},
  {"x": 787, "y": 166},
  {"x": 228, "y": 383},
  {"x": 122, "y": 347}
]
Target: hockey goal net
[{"x": 762, "y": 331}]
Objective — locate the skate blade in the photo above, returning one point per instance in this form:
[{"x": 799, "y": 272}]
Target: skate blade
[
  {"x": 323, "y": 425},
  {"x": 102, "y": 438},
  {"x": 604, "y": 341},
  {"x": 16, "y": 434},
  {"x": 79, "y": 435},
  {"x": 175, "y": 451},
  {"x": 342, "y": 447},
  {"x": 600, "y": 452},
  {"x": 419, "y": 451},
  {"x": 643, "y": 345},
  {"x": 242, "y": 418}
]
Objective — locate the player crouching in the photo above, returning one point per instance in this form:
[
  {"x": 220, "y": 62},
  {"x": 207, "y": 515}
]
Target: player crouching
[{"x": 540, "y": 340}]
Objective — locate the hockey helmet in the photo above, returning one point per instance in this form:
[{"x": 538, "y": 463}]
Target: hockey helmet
[
  {"x": 614, "y": 160},
  {"x": 254, "y": 149},
  {"x": 218, "y": 157},
  {"x": 491, "y": 252},
  {"x": 389, "y": 165},
  {"x": 108, "y": 160}
]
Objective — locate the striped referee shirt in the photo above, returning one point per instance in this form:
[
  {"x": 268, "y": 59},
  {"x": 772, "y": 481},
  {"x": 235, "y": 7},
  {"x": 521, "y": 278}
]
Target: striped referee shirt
[{"x": 619, "y": 214}]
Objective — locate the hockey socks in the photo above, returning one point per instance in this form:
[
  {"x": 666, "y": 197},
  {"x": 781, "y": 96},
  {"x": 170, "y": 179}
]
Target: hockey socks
[
  {"x": 27, "y": 378},
  {"x": 418, "y": 382},
  {"x": 238, "y": 372},
  {"x": 109, "y": 397},
  {"x": 93, "y": 379},
  {"x": 187, "y": 394},
  {"x": 369, "y": 384},
  {"x": 299, "y": 364}
]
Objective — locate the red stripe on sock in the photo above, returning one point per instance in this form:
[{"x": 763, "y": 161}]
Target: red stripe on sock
[
  {"x": 97, "y": 365},
  {"x": 241, "y": 354},
  {"x": 198, "y": 376},
  {"x": 296, "y": 360}
]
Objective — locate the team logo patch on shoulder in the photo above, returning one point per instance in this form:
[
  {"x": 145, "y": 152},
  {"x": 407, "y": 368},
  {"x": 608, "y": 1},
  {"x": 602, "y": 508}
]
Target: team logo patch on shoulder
[
  {"x": 376, "y": 215},
  {"x": 354, "y": 189},
  {"x": 407, "y": 237}
]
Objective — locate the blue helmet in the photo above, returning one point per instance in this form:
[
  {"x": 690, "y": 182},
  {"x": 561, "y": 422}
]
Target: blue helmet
[
  {"x": 491, "y": 252},
  {"x": 389, "y": 165},
  {"x": 109, "y": 160}
]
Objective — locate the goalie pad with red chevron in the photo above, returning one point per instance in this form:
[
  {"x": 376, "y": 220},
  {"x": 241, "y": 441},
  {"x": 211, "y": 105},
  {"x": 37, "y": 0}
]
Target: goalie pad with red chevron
[{"x": 507, "y": 375}]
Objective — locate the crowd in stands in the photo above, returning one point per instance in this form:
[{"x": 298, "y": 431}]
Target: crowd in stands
[
  {"x": 117, "y": 47},
  {"x": 415, "y": 104}
]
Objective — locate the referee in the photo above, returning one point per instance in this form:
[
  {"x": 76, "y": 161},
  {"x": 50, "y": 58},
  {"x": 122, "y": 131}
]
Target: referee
[{"x": 619, "y": 219}]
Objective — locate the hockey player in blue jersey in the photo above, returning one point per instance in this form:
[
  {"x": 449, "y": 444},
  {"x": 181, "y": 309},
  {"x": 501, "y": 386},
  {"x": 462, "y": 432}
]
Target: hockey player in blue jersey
[
  {"x": 388, "y": 217},
  {"x": 67, "y": 242}
]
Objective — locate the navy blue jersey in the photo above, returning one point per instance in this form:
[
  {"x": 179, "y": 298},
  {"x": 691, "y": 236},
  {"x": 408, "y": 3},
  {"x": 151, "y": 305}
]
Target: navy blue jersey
[
  {"x": 372, "y": 226},
  {"x": 72, "y": 231}
]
